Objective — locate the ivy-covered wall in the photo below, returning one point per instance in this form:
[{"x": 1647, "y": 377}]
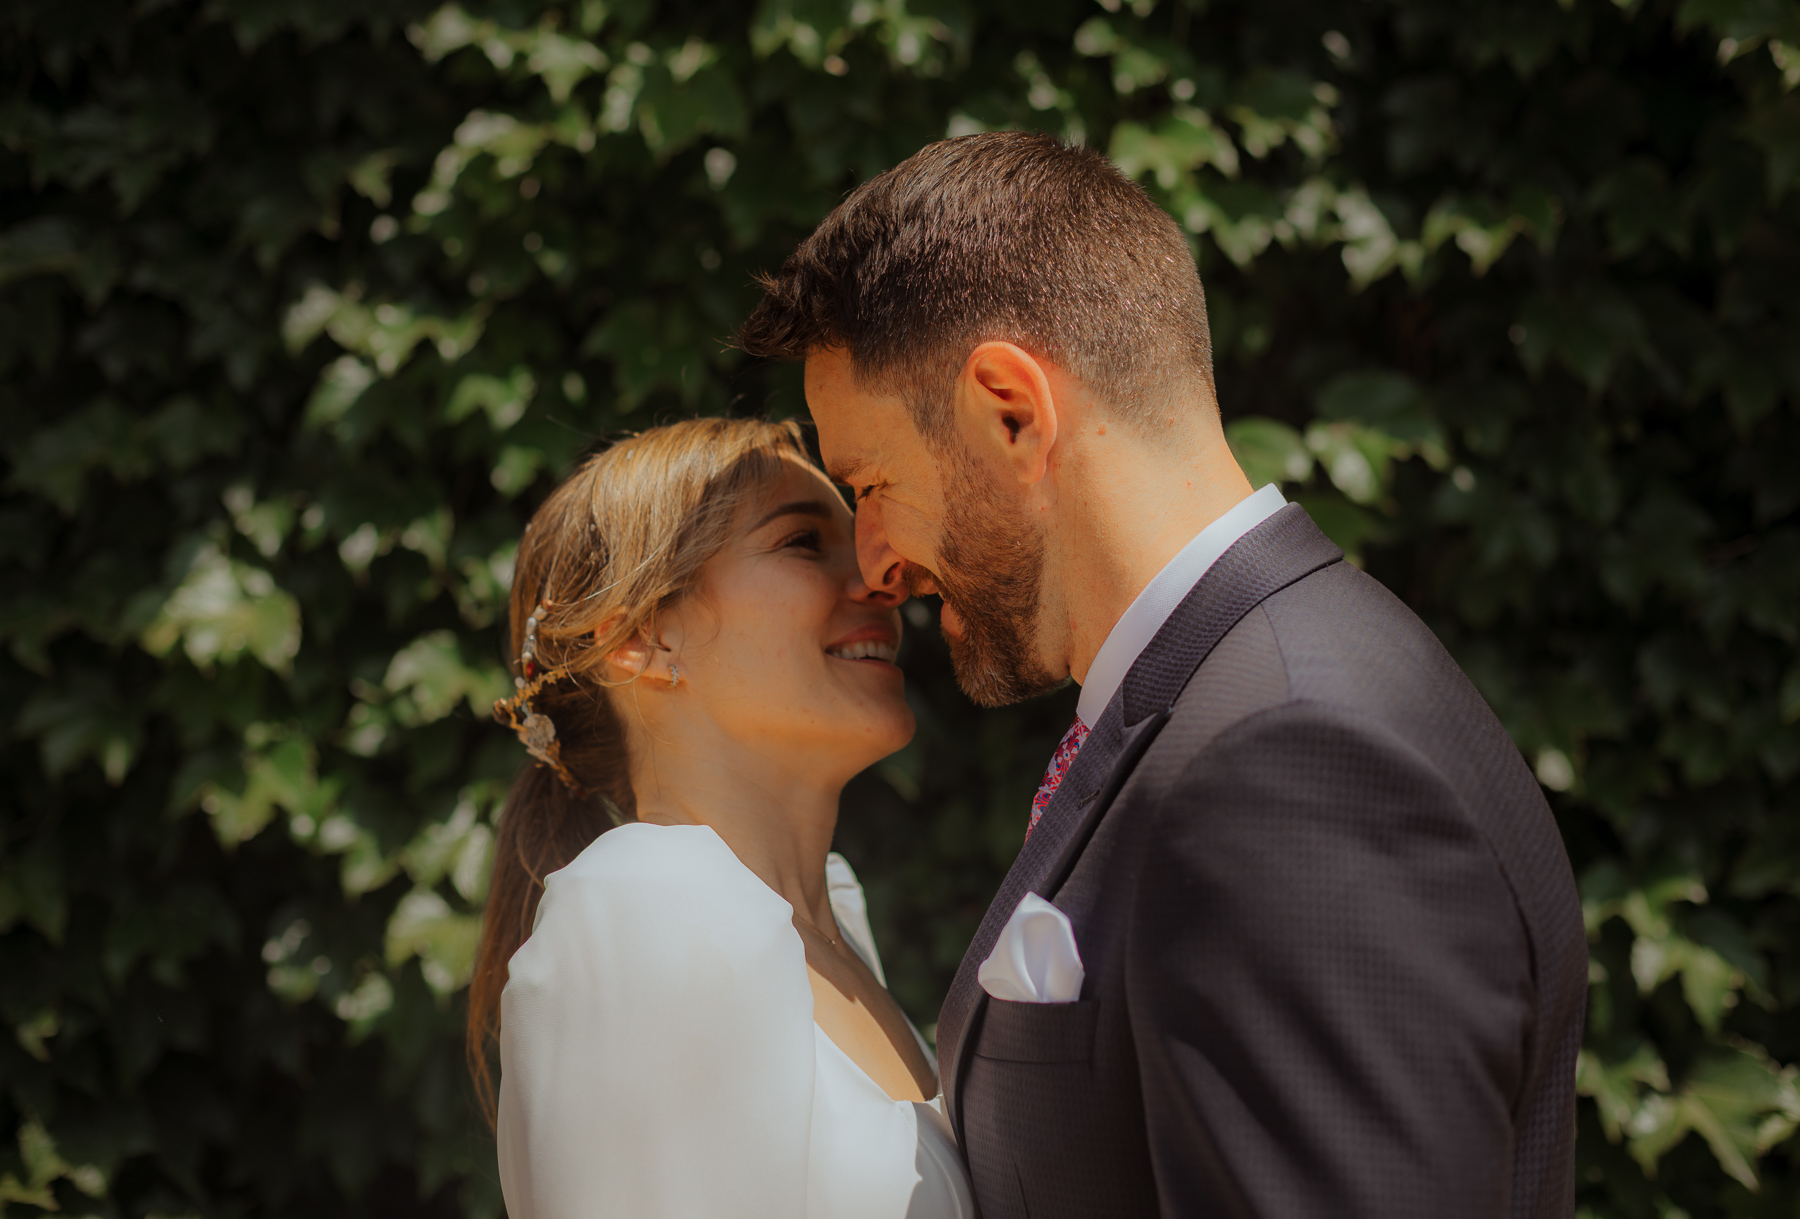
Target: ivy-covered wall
[{"x": 304, "y": 303}]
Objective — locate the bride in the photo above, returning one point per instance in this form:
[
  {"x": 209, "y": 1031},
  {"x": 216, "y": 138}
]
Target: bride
[{"x": 690, "y": 1011}]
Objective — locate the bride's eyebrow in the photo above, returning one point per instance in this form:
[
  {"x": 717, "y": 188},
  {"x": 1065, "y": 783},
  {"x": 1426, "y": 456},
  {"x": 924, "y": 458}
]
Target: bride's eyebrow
[{"x": 800, "y": 507}]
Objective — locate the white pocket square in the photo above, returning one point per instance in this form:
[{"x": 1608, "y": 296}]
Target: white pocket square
[{"x": 1035, "y": 959}]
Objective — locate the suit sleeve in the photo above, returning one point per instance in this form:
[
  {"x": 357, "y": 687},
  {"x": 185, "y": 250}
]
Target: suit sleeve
[{"x": 1330, "y": 986}]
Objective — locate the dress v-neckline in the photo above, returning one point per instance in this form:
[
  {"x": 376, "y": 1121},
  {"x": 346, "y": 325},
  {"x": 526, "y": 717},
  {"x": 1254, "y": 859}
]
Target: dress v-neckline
[{"x": 853, "y": 926}]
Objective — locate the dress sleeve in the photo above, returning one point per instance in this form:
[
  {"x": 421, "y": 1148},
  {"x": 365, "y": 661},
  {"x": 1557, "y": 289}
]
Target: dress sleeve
[{"x": 657, "y": 1044}]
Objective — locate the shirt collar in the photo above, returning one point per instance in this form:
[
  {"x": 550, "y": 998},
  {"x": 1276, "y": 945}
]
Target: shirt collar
[{"x": 1138, "y": 625}]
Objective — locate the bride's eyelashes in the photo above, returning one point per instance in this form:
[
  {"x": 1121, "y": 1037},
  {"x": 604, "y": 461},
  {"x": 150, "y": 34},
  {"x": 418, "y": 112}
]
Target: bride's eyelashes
[{"x": 804, "y": 539}]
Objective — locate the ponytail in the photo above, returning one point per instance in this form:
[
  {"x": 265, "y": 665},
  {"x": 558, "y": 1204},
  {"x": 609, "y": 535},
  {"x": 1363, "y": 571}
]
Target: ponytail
[{"x": 543, "y": 827}]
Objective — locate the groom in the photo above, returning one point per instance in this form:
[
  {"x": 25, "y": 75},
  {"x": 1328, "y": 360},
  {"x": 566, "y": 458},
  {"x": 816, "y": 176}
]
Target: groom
[{"x": 1333, "y": 954}]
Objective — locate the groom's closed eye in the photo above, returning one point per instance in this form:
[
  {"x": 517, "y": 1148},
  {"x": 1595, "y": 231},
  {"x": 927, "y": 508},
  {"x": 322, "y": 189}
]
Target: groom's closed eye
[{"x": 850, "y": 473}]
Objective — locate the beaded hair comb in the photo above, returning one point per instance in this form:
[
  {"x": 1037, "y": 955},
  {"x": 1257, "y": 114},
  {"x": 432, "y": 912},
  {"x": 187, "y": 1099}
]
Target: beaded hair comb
[{"x": 534, "y": 729}]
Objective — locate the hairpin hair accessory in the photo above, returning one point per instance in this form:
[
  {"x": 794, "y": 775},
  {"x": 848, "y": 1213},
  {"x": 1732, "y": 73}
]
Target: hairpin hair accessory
[{"x": 535, "y": 730}]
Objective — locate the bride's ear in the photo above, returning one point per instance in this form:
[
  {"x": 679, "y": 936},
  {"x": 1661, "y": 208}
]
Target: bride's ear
[{"x": 630, "y": 658}]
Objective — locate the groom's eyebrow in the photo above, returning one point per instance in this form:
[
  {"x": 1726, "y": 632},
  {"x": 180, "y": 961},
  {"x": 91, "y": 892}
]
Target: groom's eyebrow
[
  {"x": 800, "y": 507},
  {"x": 845, "y": 471}
]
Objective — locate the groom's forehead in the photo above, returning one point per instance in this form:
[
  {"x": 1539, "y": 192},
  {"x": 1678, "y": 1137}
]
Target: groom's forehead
[
  {"x": 828, "y": 374},
  {"x": 855, "y": 425},
  {"x": 844, "y": 449},
  {"x": 858, "y": 445},
  {"x": 845, "y": 459}
]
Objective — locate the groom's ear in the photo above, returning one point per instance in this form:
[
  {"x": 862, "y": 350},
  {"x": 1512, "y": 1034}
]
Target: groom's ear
[{"x": 1006, "y": 411}]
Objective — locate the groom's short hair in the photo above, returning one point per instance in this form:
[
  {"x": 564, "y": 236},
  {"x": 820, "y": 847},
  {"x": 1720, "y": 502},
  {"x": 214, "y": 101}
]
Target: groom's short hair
[{"x": 1009, "y": 236}]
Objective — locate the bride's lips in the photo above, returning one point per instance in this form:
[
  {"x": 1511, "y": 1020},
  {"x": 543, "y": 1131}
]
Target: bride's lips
[{"x": 877, "y": 643}]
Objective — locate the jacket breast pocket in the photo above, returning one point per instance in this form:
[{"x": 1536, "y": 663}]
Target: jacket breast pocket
[
  {"x": 1038, "y": 1032},
  {"x": 1028, "y": 1101}
]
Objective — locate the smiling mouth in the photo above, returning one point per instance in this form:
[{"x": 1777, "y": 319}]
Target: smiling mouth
[{"x": 867, "y": 649}]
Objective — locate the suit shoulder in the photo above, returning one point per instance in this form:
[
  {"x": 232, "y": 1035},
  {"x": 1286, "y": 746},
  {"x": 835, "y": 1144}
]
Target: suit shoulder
[
  {"x": 1336, "y": 635},
  {"x": 1341, "y": 623},
  {"x": 1363, "y": 671},
  {"x": 1347, "y": 641},
  {"x": 1242, "y": 675}
]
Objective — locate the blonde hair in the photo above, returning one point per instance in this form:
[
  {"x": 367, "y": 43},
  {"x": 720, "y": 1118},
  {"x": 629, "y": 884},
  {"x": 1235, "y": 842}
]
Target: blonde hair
[{"x": 622, "y": 538}]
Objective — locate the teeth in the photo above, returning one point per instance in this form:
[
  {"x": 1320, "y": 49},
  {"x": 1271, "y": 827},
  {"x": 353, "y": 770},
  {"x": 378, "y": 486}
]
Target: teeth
[{"x": 866, "y": 649}]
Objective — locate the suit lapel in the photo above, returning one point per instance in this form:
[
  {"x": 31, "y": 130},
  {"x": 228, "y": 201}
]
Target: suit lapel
[
  {"x": 1091, "y": 808},
  {"x": 1090, "y": 774},
  {"x": 1277, "y": 552}
]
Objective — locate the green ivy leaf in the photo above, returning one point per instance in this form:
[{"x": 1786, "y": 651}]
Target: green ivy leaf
[
  {"x": 224, "y": 609},
  {"x": 1269, "y": 451}
]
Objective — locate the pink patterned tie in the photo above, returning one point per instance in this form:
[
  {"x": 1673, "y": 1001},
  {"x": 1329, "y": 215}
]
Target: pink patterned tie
[{"x": 1060, "y": 761}]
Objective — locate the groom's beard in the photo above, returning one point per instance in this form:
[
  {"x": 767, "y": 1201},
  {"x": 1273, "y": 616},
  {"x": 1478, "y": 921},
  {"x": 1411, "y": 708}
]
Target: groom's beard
[{"x": 989, "y": 568}]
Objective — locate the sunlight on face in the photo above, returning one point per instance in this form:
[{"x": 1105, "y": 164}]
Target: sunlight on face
[
  {"x": 870, "y": 445},
  {"x": 782, "y": 643},
  {"x": 950, "y": 531}
]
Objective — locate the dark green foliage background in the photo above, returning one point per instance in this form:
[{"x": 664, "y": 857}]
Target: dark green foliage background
[{"x": 304, "y": 303}]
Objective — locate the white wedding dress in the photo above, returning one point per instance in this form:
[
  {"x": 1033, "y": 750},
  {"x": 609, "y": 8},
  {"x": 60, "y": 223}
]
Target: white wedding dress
[{"x": 659, "y": 1058}]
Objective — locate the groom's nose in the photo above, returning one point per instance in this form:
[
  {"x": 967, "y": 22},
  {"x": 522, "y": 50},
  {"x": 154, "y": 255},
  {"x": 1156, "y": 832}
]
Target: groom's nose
[{"x": 883, "y": 569}]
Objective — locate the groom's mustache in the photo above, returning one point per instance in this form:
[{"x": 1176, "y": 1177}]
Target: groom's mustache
[
  {"x": 920, "y": 581},
  {"x": 923, "y": 582}
]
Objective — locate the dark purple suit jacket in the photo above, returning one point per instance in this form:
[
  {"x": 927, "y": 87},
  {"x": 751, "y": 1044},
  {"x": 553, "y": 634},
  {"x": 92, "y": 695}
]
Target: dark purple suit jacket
[{"x": 1335, "y": 959}]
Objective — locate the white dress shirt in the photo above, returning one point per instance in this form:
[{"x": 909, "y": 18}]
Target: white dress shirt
[{"x": 1166, "y": 590}]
